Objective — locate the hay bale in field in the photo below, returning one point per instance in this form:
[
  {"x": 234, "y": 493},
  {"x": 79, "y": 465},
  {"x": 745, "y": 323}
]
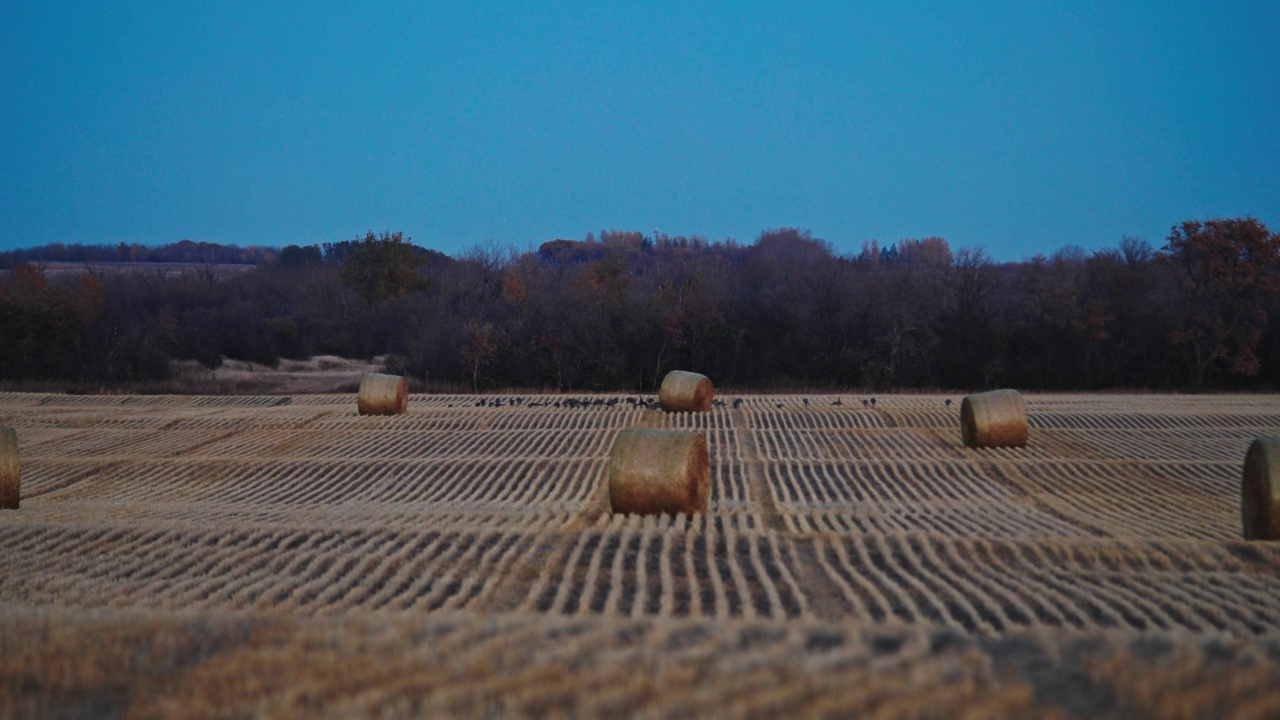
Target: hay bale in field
[
  {"x": 10, "y": 469},
  {"x": 382, "y": 394},
  {"x": 994, "y": 419},
  {"x": 686, "y": 392},
  {"x": 1260, "y": 490},
  {"x": 659, "y": 471}
]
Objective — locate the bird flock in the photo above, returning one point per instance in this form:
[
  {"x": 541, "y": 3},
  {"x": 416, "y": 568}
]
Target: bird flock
[{"x": 640, "y": 402}]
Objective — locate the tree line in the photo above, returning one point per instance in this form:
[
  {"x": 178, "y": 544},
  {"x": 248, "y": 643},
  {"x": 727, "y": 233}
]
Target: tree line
[
  {"x": 617, "y": 311},
  {"x": 183, "y": 251}
]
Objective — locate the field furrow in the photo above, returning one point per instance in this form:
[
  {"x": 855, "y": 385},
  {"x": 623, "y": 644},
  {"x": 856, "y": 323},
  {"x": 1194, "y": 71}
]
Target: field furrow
[{"x": 834, "y": 529}]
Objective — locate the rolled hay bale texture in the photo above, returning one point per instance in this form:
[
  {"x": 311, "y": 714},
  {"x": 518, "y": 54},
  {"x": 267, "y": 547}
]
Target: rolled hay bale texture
[
  {"x": 686, "y": 392},
  {"x": 382, "y": 394},
  {"x": 10, "y": 469},
  {"x": 1260, "y": 490},
  {"x": 995, "y": 419},
  {"x": 659, "y": 471}
]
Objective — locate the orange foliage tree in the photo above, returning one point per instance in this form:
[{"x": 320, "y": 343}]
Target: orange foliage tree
[{"x": 1228, "y": 277}]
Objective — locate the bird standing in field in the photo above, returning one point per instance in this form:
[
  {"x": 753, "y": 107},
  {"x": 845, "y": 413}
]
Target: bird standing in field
[
  {"x": 806, "y": 402},
  {"x": 948, "y": 402},
  {"x": 837, "y": 403},
  {"x": 873, "y": 402},
  {"x": 737, "y": 403},
  {"x": 864, "y": 402}
]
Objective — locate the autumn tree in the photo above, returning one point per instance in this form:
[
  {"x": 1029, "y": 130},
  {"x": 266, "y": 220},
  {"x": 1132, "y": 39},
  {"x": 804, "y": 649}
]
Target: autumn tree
[
  {"x": 786, "y": 276},
  {"x": 1228, "y": 277},
  {"x": 381, "y": 266},
  {"x": 972, "y": 341},
  {"x": 930, "y": 252},
  {"x": 479, "y": 347},
  {"x": 292, "y": 256},
  {"x": 901, "y": 307},
  {"x": 1126, "y": 316},
  {"x": 43, "y": 324}
]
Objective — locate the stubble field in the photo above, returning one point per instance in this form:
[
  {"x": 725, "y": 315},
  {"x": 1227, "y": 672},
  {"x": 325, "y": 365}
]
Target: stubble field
[{"x": 282, "y": 556}]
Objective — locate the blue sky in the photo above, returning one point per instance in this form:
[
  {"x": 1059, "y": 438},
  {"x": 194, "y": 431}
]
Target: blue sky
[{"x": 1015, "y": 126}]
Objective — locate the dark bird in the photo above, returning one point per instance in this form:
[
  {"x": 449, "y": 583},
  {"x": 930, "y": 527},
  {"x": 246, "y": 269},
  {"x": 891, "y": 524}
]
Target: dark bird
[
  {"x": 838, "y": 402},
  {"x": 779, "y": 404},
  {"x": 948, "y": 402},
  {"x": 806, "y": 402},
  {"x": 480, "y": 403},
  {"x": 873, "y": 402},
  {"x": 737, "y": 403},
  {"x": 864, "y": 402}
]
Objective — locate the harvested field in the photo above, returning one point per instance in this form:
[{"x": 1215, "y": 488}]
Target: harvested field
[{"x": 282, "y": 555}]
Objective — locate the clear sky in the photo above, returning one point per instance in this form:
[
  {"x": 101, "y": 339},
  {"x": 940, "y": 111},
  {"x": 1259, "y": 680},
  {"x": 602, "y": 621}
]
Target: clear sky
[{"x": 1018, "y": 126}]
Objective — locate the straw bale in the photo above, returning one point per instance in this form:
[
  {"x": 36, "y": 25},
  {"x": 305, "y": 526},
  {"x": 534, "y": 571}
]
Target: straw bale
[
  {"x": 996, "y": 419},
  {"x": 10, "y": 469},
  {"x": 382, "y": 394},
  {"x": 1260, "y": 490},
  {"x": 655, "y": 471},
  {"x": 686, "y": 392}
]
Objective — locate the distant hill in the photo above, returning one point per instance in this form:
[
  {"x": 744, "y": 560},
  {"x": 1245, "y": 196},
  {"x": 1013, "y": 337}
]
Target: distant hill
[{"x": 183, "y": 251}]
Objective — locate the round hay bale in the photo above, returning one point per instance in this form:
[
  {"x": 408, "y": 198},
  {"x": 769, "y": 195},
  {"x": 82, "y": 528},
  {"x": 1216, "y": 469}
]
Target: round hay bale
[
  {"x": 382, "y": 394},
  {"x": 10, "y": 469},
  {"x": 659, "y": 471},
  {"x": 1260, "y": 490},
  {"x": 994, "y": 419},
  {"x": 686, "y": 392}
]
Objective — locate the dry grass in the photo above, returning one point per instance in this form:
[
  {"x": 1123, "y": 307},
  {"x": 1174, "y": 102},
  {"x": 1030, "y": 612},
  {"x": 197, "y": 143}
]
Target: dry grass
[
  {"x": 320, "y": 374},
  {"x": 56, "y": 662},
  {"x": 280, "y": 556}
]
